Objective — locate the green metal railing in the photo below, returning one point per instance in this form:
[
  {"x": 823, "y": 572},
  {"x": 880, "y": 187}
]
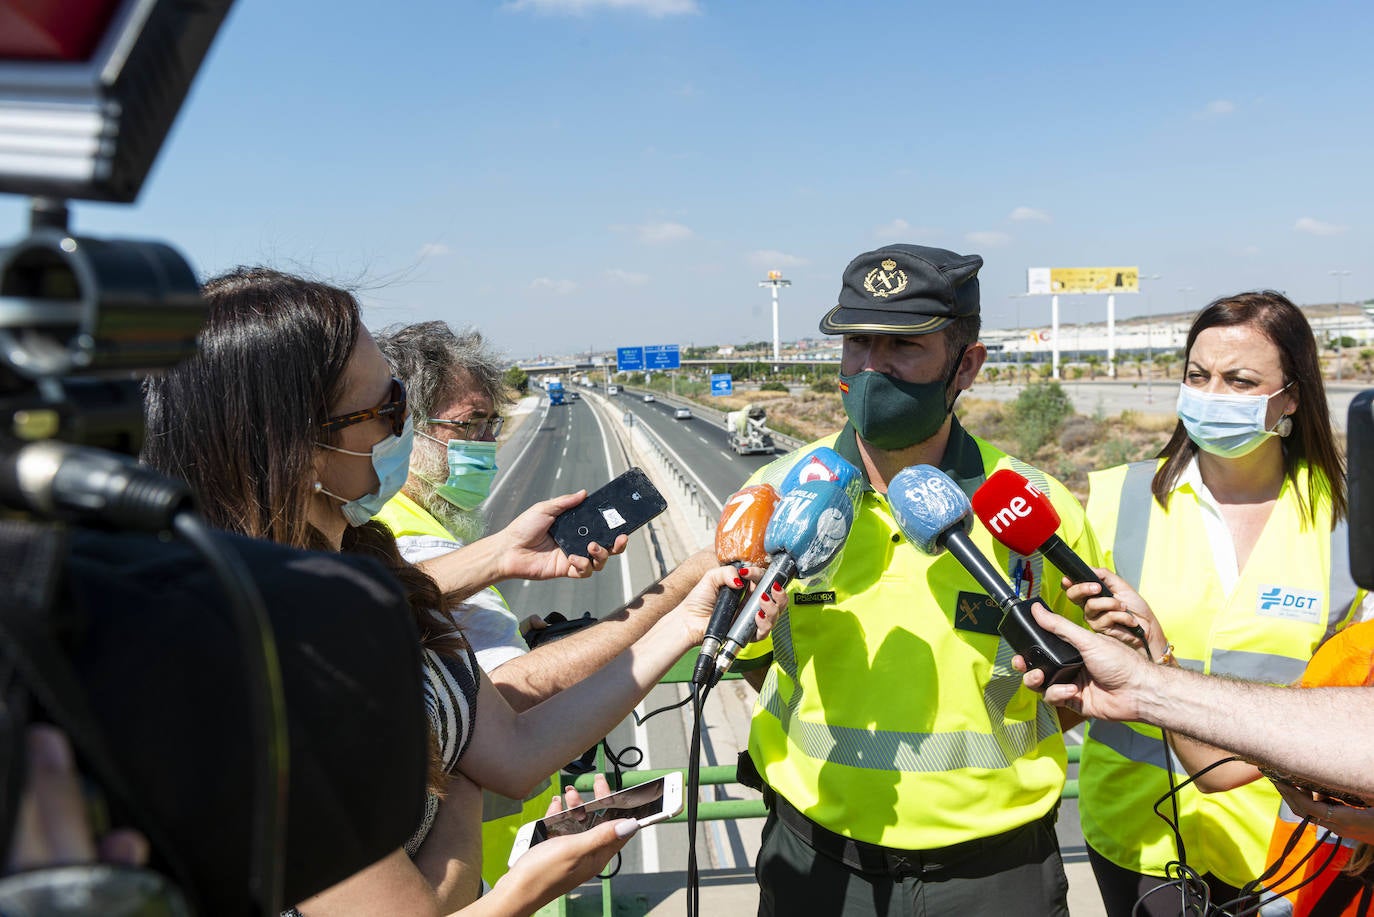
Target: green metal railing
[{"x": 708, "y": 810}]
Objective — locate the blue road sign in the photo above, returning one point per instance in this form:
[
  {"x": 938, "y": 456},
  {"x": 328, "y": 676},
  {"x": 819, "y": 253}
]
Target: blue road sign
[
  {"x": 662, "y": 356},
  {"x": 722, "y": 384},
  {"x": 627, "y": 358}
]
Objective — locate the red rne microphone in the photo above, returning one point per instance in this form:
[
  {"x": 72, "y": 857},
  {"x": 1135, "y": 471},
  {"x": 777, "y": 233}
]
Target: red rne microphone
[
  {"x": 739, "y": 541},
  {"x": 1021, "y": 517}
]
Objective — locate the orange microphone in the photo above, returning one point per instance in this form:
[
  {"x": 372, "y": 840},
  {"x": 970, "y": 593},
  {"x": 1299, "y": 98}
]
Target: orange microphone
[{"x": 739, "y": 541}]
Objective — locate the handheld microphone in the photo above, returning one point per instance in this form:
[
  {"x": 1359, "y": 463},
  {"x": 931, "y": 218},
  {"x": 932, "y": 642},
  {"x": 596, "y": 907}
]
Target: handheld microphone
[
  {"x": 739, "y": 540},
  {"x": 823, "y": 464},
  {"x": 807, "y": 530},
  {"x": 935, "y": 516},
  {"x": 1021, "y": 517}
]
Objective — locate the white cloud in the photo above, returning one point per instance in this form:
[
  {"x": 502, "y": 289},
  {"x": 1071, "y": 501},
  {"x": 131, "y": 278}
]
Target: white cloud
[
  {"x": 772, "y": 260},
  {"x": 1025, "y": 214},
  {"x": 656, "y": 9},
  {"x": 987, "y": 239},
  {"x": 660, "y": 233},
  {"x": 629, "y": 278},
  {"x": 559, "y": 287},
  {"x": 1317, "y": 227},
  {"x": 900, "y": 230},
  {"x": 432, "y": 250},
  {"x": 1217, "y": 108}
]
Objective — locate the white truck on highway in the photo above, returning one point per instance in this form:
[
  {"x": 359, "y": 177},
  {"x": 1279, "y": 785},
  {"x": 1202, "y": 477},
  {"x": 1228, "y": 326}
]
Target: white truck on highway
[{"x": 747, "y": 433}]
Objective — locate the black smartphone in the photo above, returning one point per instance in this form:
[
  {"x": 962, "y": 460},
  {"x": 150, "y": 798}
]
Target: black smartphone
[{"x": 616, "y": 509}]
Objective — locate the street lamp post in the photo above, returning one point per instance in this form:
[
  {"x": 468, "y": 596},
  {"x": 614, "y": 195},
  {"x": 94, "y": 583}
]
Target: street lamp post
[
  {"x": 1185, "y": 291},
  {"x": 1340, "y": 349},
  {"x": 1149, "y": 344},
  {"x": 775, "y": 280}
]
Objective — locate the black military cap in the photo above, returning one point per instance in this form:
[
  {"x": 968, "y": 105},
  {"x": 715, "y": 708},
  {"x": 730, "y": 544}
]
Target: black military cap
[{"x": 905, "y": 289}]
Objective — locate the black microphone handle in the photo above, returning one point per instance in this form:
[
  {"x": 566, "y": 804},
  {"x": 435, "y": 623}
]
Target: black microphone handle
[
  {"x": 782, "y": 569},
  {"x": 958, "y": 543},
  {"x": 722, "y": 616},
  {"x": 1067, "y": 562}
]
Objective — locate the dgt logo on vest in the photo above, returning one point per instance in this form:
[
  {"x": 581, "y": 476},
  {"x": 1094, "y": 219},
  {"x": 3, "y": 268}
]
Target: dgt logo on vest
[{"x": 1293, "y": 604}]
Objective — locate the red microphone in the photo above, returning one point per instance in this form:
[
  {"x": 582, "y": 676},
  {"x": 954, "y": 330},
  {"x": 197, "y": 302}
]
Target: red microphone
[{"x": 1022, "y": 518}]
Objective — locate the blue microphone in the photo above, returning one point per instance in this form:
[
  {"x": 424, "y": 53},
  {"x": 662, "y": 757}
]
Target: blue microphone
[
  {"x": 936, "y": 516},
  {"x": 807, "y": 531},
  {"x": 823, "y": 464}
]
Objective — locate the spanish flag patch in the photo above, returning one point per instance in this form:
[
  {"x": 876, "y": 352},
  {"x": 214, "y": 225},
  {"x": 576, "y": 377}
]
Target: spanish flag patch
[{"x": 844, "y": 386}]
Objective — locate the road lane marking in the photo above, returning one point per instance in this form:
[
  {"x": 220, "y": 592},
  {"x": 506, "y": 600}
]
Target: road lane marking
[
  {"x": 559, "y": 473},
  {"x": 704, "y": 440}
]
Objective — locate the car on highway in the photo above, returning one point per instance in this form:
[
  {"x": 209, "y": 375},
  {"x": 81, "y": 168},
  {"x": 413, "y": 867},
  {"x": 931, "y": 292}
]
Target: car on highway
[
  {"x": 574, "y": 396},
  {"x": 648, "y": 398},
  {"x": 682, "y": 414}
]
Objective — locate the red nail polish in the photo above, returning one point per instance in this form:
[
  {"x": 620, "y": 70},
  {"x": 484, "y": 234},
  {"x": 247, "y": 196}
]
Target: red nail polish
[
  {"x": 738, "y": 582},
  {"x": 764, "y": 597},
  {"x": 762, "y": 615},
  {"x": 777, "y": 587},
  {"x": 743, "y": 571}
]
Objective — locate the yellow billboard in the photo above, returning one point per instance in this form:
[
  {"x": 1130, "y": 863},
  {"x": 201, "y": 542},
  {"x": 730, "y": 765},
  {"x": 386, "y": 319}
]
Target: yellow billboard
[{"x": 1050, "y": 280}]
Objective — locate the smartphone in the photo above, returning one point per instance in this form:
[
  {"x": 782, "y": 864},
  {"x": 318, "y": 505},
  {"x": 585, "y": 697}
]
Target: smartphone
[
  {"x": 649, "y": 803},
  {"x": 618, "y": 508},
  {"x": 1359, "y": 450}
]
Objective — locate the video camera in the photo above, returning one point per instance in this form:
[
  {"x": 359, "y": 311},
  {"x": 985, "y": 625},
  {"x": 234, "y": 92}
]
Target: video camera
[{"x": 253, "y": 710}]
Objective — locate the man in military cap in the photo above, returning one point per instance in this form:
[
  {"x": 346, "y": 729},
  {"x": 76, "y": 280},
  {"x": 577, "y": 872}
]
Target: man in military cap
[{"x": 907, "y": 769}]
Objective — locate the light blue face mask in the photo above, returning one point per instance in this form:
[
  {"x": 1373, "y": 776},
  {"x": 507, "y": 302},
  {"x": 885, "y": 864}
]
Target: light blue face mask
[
  {"x": 471, "y": 470},
  {"x": 391, "y": 462},
  {"x": 1226, "y": 425}
]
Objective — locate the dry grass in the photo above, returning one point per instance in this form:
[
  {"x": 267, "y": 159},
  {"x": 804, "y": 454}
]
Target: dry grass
[{"x": 1084, "y": 443}]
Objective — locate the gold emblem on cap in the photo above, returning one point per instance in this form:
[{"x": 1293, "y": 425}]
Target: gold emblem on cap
[{"x": 885, "y": 280}]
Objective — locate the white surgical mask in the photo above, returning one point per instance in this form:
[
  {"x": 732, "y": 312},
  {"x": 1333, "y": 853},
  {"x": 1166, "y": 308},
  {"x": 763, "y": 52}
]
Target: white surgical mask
[{"x": 1226, "y": 425}]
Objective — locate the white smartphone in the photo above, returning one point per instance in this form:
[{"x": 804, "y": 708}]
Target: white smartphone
[{"x": 648, "y": 803}]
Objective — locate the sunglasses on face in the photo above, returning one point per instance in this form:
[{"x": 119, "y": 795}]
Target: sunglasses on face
[
  {"x": 392, "y": 410},
  {"x": 474, "y": 430}
]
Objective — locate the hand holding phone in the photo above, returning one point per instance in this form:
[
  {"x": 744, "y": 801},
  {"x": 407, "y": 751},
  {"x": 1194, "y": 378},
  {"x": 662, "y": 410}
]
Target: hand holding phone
[
  {"x": 648, "y": 803},
  {"x": 617, "y": 509}
]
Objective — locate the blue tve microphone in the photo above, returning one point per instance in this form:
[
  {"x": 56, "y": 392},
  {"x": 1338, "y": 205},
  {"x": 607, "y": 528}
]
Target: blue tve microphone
[
  {"x": 807, "y": 530},
  {"x": 936, "y": 516}
]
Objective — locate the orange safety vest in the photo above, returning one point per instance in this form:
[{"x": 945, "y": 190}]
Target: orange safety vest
[{"x": 1347, "y": 659}]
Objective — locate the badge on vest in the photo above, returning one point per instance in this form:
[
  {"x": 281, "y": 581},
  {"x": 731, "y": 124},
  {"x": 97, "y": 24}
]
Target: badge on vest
[
  {"x": 814, "y": 598},
  {"x": 976, "y": 612},
  {"x": 1289, "y": 604}
]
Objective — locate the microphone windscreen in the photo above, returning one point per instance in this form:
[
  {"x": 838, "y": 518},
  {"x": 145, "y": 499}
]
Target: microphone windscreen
[
  {"x": 811, "y": 525},
  {"x": 743, "y": 521},
  {"x": 1015, "y": 511},
  {"x": 822, "y": 464},
  {"x": 926, "y": 504}
]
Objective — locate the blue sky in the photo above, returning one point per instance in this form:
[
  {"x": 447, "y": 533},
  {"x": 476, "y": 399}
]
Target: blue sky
[{"x": 575, "y": 174}]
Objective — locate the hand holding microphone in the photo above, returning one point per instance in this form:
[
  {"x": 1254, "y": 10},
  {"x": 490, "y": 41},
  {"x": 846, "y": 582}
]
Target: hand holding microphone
[
  {"x": 739, "y": 541},
  {"x": 807, "y": 531},
  {"x": 935, "y": 516},
  {"x": 1022, "y": 518}
]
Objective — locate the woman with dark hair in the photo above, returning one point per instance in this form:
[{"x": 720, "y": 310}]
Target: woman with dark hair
[
  {"x": 288, "y": 425},
  {"x": 1236, "y": 537}
]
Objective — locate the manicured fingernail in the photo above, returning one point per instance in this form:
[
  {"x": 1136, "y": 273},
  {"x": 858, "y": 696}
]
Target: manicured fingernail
[
  {"x": 777, "y": 587},
  {"x": 764, "y": 597},
  {"x": 626, "y": 827},
  {"x": 762, "y": 615},
  {"x": 738, "y": 582},
  {"x": 743, "y": 571}
]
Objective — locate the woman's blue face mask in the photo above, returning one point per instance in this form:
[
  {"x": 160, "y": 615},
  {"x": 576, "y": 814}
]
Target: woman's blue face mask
[
  {"x": 391, "y": 462},
  {"x": 1225, "y": 425}
]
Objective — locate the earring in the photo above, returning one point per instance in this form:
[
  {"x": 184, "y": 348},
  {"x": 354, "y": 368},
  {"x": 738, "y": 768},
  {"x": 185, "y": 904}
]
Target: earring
[{"x": 1284, "y": 426}]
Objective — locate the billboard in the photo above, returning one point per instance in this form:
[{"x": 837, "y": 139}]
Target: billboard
[{"x": 1044, "y": 281}]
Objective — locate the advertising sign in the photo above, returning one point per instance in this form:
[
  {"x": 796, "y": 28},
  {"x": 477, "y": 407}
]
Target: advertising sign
[{"x": 1046, "y": 281}]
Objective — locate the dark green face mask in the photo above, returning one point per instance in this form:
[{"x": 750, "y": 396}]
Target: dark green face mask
[{"x": 892, "y": 414}]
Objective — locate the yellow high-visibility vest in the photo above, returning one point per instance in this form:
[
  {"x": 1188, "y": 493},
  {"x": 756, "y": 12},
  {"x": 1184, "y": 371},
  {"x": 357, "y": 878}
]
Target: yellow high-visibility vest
[
  {"x": 891, "y": 713},
  {"x": 1294, "y": 592}
]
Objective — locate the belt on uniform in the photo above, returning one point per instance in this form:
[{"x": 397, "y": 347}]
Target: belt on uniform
[{"x": 891, "y": 861}]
